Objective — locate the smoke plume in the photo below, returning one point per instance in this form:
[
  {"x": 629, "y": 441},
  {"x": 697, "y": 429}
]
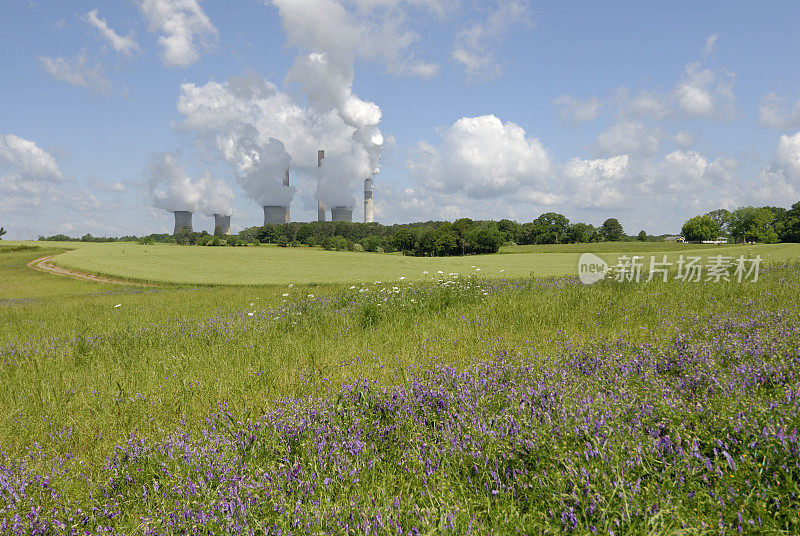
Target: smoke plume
[{"x": 171, "y": 189}]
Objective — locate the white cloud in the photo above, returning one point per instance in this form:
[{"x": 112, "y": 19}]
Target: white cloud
[
  {"x": 183, "y": 27},
  {"x": 482, "y": 157},
  {"x": 124, "y": 45},
  {"x": 107, "y": 187},
  {"x": 628, "y": 137},
  {"x": 780, "y": 182},
  {"x": 597, "y": 183},
  {"x": 711, "y": 40},
  {"x": 366, "y": 29},
  {"x": 683, "y": 139},
  {"x": 773, "y": 112},
  {"x": 706, "y": 93},
  {"x": 575, "y": 110},
  {"x": 78, "y": 71},
  {"x": 24, "y": 160},
  {"x": 476, "y": 46},
  {"x": 646, "y": 103}
]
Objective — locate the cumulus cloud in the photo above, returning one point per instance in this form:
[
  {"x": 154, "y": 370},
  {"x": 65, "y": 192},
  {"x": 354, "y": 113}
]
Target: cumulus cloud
[
  {"x": 780, "y": 181},
  {"x": 346, "y": 30},
  {"x": 651, "y": 104},
  {"x": 124, "y": 45},
  {"x": 706, "y": 93},
  {"x": 476, "y": 46},
  {"x": 776, "y": 112},
  {"x": 78, "y": 71},
  {"x": 24, "y": 160},
  {"x": 482, "y": 157},
  {"x": 183, "y": 29},
  {"x": 597, "y": 183},
  {"x": 575, "y": 110},
  {"x": 628, "y": 137}
]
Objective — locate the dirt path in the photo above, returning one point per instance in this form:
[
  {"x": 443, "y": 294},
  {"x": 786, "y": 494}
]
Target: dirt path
[{"x": 41, "y": 264}]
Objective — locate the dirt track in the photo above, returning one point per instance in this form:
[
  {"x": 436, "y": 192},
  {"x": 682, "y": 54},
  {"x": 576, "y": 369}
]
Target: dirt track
[{"x": 41, "y": 264}]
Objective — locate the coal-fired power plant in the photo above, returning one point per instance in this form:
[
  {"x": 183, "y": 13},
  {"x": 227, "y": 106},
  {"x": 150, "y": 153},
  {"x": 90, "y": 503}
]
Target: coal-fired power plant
[
  {"x": 183, "y": 218},
  {"x": 222, "y": 224},
  {"x": 278, "y": 214},
  {"x": 369, "y": 209}
]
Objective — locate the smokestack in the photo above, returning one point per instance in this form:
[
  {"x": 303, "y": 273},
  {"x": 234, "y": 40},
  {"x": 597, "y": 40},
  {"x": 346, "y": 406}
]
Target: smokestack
[
  {"x": 369, "y": 210},
  {"x": 320, "y": 204},
  {"x": 286, "y": 185},
  {"x": 342, "y": 213},
  {"x": 183, "y": 218},
  {"x": 222, "y": 223}
]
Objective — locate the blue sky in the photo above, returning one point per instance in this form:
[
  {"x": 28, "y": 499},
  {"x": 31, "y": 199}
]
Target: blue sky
[{"x": 116, "y": 113}]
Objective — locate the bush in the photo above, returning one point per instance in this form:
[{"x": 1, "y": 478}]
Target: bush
[{"x": 358, "y": 247}]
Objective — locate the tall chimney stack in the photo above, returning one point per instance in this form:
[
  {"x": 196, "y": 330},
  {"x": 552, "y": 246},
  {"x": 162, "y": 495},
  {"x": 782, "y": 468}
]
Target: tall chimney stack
[
  {"x": 286, "y": 185},
  {"x": 369, "y": 209},
  {"x": 320, "y": 204},
  {"x": 183, "y": 218},
  {"x": 222, "y": 223}
]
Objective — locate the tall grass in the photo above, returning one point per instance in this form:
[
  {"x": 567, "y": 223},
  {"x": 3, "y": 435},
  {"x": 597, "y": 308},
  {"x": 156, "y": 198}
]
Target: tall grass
[{"x": 81, "y": 375}]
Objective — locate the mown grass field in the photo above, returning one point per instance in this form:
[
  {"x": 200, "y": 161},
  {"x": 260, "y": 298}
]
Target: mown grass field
[
  {"x": 270, "y": 265},
  {"x": 436, "y": 404}
]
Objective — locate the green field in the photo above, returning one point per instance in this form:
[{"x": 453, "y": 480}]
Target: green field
[
  {"x": 491, "y": 402},
  {"x": 269, "y": 265}
]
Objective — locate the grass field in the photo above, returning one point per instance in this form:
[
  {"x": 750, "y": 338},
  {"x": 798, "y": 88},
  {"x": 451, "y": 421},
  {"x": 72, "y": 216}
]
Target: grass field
[
  {"x": 271, "y": 265},
  {"x": 486, "y": 403}
]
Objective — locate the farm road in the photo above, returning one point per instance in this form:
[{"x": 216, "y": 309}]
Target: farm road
[{"x": 41, "y": 264}]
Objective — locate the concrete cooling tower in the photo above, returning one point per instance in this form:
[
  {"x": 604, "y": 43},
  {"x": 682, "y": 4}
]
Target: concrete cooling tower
[
  {"x": 223, "y": 223},
  {"x": 276, "y": 215},
  {"x": 342, "y": 213},
  {"x": 183, "y": 218}
]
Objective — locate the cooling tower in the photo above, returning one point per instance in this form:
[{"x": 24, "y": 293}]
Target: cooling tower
[
  {"x": 183, "y": 218},
  {"x": 342, "y": 213},
  {"x": 223, "y": 223},
  {"x": 320, "y": 204},
  {"x": 369, "y": 210},
  {"x": 276, "y": 215}
]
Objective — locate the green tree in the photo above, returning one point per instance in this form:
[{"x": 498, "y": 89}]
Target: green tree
[
  {"x": 485, "y": 241},
  {"x": 753, "y": 224},
  {"x": 404, "y": 240},
  {"x": 549, "y": 228},
  {"x": 2, "y": 232},
  {"x": 510, "y": 229},
  {"x": 582, "y": 233},
  {"x": 642, "y": 236},
  {"x": 722, "y": 217},
  {"x": 700, "y": 228},
  {"x": 790, "y": 228},
  {"x": 611, "y": 230}
]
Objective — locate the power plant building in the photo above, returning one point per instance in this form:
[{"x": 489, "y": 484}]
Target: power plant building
[
  {"x": 278, "y": 214},
  {"x": 342, "y": 213},
  {"x": 183, "y": 218},
  {"x": 222, "y": 223}
]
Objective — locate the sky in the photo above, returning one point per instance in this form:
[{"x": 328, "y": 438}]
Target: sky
[{"x": 117, "y": 113}]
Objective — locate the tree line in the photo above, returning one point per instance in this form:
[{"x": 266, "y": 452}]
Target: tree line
[
  {"x": 432, "y": 238},
  {"x": 746, "y": 224}
]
